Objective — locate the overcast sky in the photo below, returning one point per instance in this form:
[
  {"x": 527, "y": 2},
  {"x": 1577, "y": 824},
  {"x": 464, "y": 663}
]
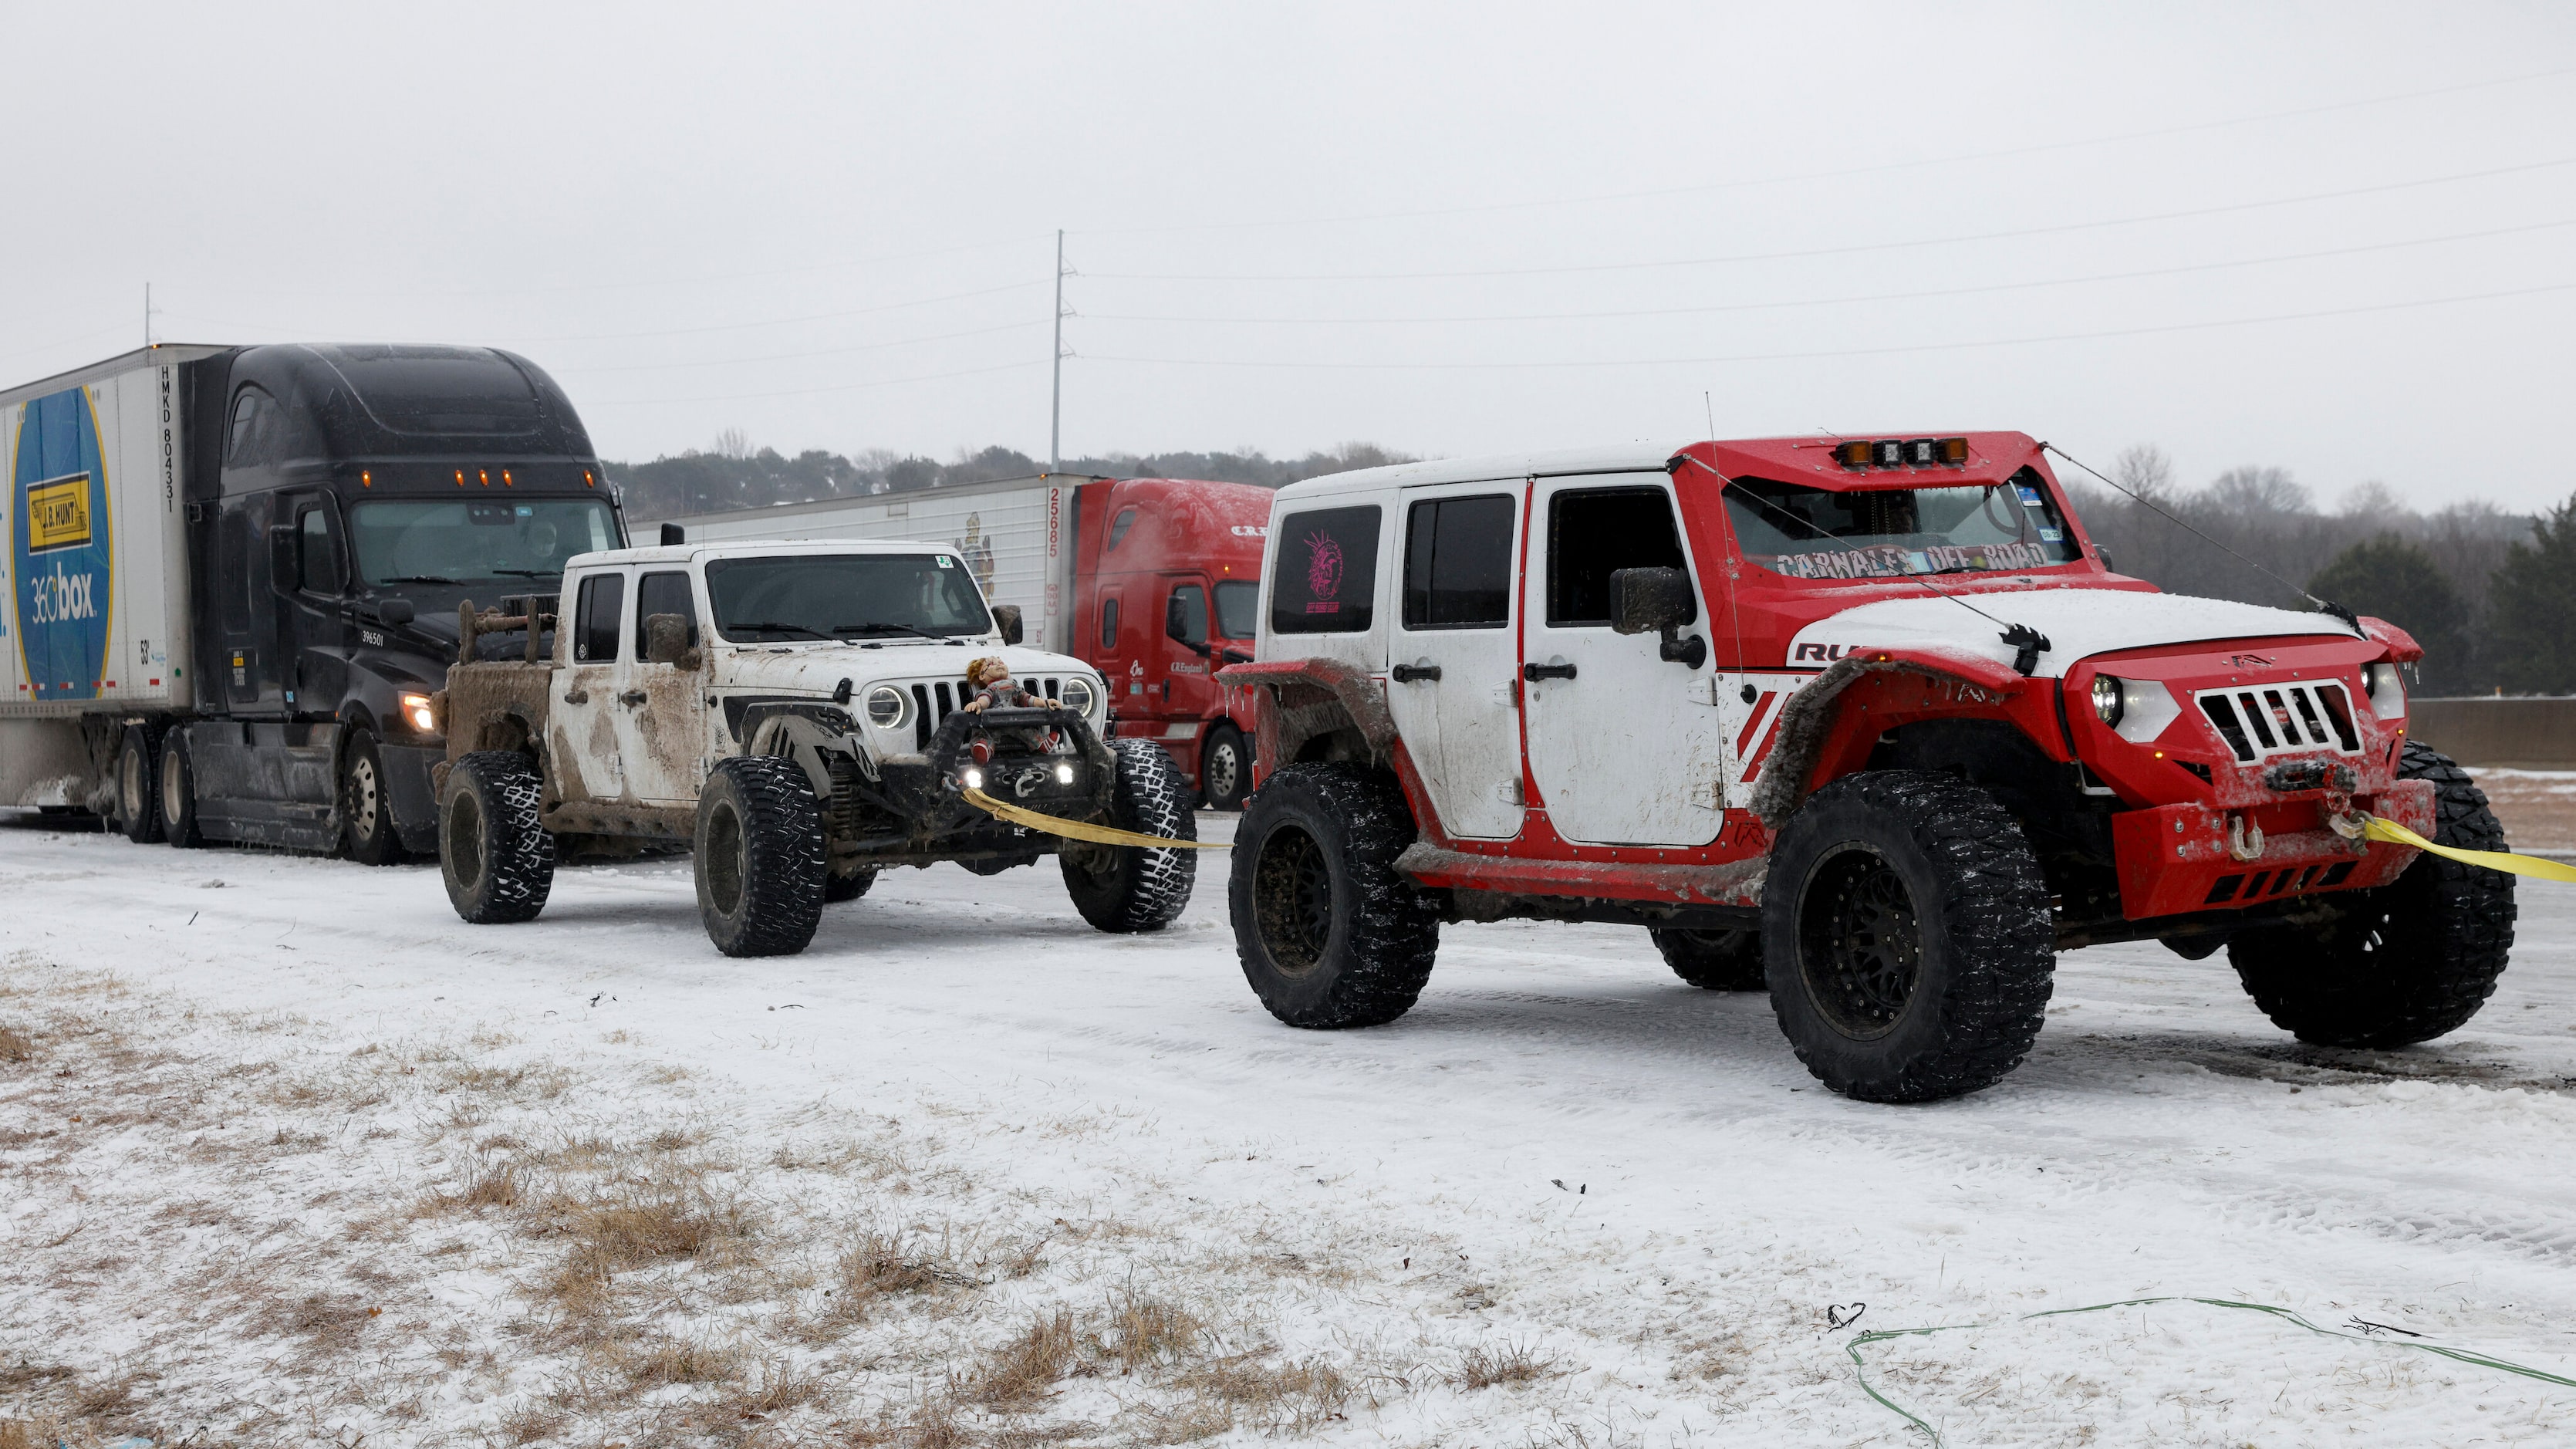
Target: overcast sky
[{"x": 2331, "y": 237}]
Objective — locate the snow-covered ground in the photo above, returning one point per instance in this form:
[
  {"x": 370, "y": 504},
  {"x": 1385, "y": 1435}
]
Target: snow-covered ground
[{"x": 288, "y": 1154}]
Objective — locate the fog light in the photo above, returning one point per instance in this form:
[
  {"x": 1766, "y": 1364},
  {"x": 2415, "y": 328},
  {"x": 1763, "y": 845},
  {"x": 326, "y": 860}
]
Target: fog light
[
  {"x": 974, "y": 779},
  {"x": 1064, "y": 774},
  {"x": 2106, "y": 699},
  {"x": 416, "y": 713}
]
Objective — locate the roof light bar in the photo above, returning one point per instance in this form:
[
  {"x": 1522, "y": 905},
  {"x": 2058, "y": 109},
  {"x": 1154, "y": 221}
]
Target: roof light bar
[{"x": 1903, "y": 453}]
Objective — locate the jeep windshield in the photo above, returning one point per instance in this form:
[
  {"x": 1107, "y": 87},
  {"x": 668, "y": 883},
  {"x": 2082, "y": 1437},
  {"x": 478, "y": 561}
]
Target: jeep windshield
[
  {"x": 847, "y": 596},
  {"x": 401, "y": 541},
  {"x": 1869, "y": 533}
]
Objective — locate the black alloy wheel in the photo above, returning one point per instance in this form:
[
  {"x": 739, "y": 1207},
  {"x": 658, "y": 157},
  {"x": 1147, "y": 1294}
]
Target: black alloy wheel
[
  {"x": 1860, "y": 943},
  {"x": 1292, "y": 892}
]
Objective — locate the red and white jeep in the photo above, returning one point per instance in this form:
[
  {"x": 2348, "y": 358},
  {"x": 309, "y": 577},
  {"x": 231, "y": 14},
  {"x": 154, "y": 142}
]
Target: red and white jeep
[{"x": 1869, "y": 724}]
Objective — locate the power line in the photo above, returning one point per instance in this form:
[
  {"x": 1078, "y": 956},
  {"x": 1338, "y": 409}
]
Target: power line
[
  {"x": 690, "y": 281},
  {"x": 1860, "y": 297},
  {"x": 638, "y": 402},
  {"x": 1875, "y": 169},
  {"x": 1839, "y": 352},
  {"x": 2058, "y": 229},
  {"x": 817, "y": 352}
]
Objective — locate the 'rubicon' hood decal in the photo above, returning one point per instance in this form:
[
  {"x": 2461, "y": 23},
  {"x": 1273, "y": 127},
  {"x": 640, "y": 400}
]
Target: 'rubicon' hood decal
[{"x": 2078, "y": 622}]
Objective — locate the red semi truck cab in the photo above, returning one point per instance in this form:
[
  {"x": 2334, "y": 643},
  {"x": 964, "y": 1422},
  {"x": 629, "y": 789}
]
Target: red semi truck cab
[{"x": 1167, "y": 589}]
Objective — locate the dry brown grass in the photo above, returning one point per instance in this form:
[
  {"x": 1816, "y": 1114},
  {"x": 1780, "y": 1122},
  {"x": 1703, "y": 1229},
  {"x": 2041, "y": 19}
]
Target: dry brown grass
[
  {"x": 16, "y": 1046},
  {"x": 658, "y": 1362},
  {"x": 1143, "y": 1331},
  {"x": 17, "y": 1434},
  {"x": 1020, "y": 1373},
  {"x": 1508, "y": 1363},
  {"x": 1292, "y": 1396}
]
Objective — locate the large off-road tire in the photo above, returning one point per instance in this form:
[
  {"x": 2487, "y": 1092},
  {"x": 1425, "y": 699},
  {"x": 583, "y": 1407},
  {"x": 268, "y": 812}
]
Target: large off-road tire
[
  {"x": 1328, "y": 933},
  {"x": 839, "y": 888},
  {"x": 497, "y": 860},
  {"x": 366, "y": 809},
  {"x": 177, "y": 792},
  {"x": 1225, "y": 768},
  {"x": 760, "y": 859},
  {"x": 1131, "y": 888},
  {"x": 1723, "y": 960},
  {"x": 2406, "y": 962},
  {"x": 138, "y": 783},
  {"x": 1906, "y": 933}
]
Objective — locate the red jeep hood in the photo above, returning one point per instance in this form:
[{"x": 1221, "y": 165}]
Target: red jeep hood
[{"x": 2078, "y": 622}]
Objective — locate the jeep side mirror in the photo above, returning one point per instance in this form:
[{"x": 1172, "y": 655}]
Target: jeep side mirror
[
  {"x": 394, "y": 611},
  {"x": 1006, "y": 617},
  {"x": 1658, "y": 600},
  {"x": 666, "y": 641}
]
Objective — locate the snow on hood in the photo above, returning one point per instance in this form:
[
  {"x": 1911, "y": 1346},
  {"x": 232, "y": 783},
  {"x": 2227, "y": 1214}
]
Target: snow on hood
[{"x": 2078, "y": 622}]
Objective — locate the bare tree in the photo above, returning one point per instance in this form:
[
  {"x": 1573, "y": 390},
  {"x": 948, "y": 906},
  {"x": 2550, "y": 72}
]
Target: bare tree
[
  {"x": 733, "y": 443},
  {"x": 2144, "y": 470}
]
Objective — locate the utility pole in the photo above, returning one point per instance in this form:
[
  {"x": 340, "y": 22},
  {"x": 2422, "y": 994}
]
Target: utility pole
[
  {"x": 1055, "y": 416},
  {"x": 147, "y": 314}
]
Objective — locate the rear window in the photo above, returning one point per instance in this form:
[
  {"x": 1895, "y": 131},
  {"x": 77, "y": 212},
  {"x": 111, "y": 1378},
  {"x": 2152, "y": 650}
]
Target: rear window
[{"x": 1325, "y": 578}]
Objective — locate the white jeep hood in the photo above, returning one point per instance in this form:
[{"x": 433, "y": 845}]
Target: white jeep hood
[
  {"x": 820, "y": 668},
  {"x": 2078, "y": 622}
]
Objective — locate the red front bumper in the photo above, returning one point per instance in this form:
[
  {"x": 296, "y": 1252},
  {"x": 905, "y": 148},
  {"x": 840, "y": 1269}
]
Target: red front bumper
[{"x": 2176, "y": 859}]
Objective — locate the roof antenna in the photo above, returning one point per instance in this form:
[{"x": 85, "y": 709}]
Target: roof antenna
[{"x": 2337, "y": 610}]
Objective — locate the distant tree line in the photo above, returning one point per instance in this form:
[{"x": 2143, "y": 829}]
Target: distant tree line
[
  {"x": 736, "y": 475},
  {"x": 2491, "y": 595}
]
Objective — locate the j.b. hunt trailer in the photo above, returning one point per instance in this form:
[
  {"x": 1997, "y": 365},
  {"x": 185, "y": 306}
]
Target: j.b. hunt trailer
[{"x": 232, "y": 578}]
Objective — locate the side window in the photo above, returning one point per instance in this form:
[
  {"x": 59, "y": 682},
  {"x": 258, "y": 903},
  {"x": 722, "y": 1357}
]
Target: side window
[
  {"x": 1108, "y": 624},
  {"x": 1458, "y": 563},
  {"x": 1325, "y": 579},
  {"x": 1238, "y": 608},
  {"x": 1118, "y": 527},
  {"x": 317, "y": 552},
  {"x": 1185, "y": 616},
  {"x": 594, "y": 637},
  {"x": 243, "y": 447},
  {"x": 664, "y": 593},
  {"x": 1595, "y": 532}
]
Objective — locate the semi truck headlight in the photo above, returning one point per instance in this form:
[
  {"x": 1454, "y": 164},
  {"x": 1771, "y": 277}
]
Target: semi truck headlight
[
  {"x": 1079, "y": 695},
  {"x": 417, "y": 713},
  {"x": 887, "y": 706},
  {"x": 2387, "y": 689},
  {"x": 2106, "y": 699}
]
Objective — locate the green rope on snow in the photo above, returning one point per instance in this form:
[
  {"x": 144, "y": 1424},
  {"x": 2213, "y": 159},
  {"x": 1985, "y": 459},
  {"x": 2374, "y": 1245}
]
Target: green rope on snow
[{"x": 2457, "y": 1355}]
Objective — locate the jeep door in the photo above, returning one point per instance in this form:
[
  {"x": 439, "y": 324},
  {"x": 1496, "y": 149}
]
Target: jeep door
[
  {"x": 1626, "y": 748},
  {"x": 1453, "y": 654},
  {"x": 661, "y": 715},
  {"x": 582, "y": 735}
]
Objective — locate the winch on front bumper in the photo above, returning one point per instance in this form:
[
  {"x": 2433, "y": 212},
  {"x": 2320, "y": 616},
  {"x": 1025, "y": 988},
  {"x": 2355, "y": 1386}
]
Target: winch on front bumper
[{"x": 1050, "y": 760}]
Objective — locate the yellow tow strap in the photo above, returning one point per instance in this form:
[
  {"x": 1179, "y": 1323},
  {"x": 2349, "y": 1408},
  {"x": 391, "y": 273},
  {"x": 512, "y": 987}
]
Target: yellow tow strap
[
  {"x": 2503, "y": 860},
  {"x": 1079, "y": 830}
]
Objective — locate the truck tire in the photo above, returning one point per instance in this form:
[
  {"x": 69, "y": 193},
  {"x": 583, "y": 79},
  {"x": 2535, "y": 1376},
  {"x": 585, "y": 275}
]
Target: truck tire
[
  {"x": 178, "y": 792},
  {"x": 138, "y": 783},
  {"x": 1225, "y": 769},
  {"x": 1328, "y": 933},
  {"x": 366, "y": 813},
  {"x": 498, "y": 862},
  {"x": 1125, "y": 889},
  {"x": 760, "y": 857},
  {"x": 839, "y": 888},
  {"x": 2405, "y": 962},
  {"x": 1906, "y": 933},
  {"x": 1726, "y": 960}
]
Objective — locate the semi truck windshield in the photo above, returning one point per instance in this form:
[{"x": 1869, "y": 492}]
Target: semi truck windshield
[
  {"x": 1832, "y": 533},
  {"x": 475, "y": 542},
  {"x": 844, "y": 596}
]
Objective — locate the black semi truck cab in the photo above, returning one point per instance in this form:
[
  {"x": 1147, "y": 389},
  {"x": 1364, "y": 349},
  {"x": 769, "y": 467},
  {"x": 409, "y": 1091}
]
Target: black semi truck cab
[{"x": 234, "y": 577}]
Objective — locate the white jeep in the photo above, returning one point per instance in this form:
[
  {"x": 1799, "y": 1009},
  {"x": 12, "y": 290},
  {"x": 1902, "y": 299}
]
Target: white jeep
[{"x": 797, "y": 714}]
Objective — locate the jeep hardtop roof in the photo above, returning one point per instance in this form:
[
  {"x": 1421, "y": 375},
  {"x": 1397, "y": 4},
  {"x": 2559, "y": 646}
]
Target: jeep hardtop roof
[
  {"x": 740, "y": 548},
  {"x": 1992, "y": 457}
]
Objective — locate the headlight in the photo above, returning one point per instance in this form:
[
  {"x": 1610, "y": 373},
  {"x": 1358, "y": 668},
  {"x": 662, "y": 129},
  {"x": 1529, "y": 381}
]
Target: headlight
[
  {"x": 2106, "y": 699},
  {"x": 1079, "y": 695},
  {"x": 417, "y": 713},
  {"x": 887, "y": 706},
  {"x": 973, "y": 778},
  {"x": 2387, "y": 689}
]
